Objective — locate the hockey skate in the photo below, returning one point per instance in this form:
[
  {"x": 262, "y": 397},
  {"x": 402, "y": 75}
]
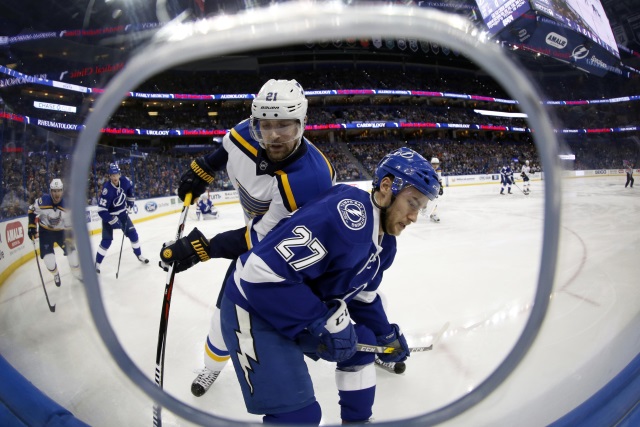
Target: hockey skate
[
  {"x": 143, "y": 259},
  {"x": 434, "y": 217},
  {"x": 56, "y": 279},
  {"x": 203, "y": 381}
]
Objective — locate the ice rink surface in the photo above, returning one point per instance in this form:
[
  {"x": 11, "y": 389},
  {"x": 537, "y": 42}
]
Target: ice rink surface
[{"x": 477, "y": 270}]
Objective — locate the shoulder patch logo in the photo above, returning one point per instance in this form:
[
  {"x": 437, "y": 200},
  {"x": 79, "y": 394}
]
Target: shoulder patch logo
[{"x": 353, "y": 213}]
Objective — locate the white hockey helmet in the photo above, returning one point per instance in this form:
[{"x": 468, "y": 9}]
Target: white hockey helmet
[
  {"x": 280, "y": 100},
  {"x": 56, "y": 184},
  {"x": 203, "y": 197},
  {"x": 526, "y": 162},
  {"x": 435, "y": 161}
]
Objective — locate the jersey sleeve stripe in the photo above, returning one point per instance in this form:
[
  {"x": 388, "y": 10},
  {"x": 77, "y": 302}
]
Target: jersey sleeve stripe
[
  {"x": 243, "y": 144},
  {"x": 287, "y": 192},
  {"x": 331, "y": 170}
]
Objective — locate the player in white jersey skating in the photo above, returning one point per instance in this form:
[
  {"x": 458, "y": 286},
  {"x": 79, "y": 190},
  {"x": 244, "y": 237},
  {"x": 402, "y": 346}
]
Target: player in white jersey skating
[
  {"x": 54, "y": 223},
  {"x": 435, "y": 163},
  {"x": 275, "y": 169},
  {"x": 525, "y": 173}
]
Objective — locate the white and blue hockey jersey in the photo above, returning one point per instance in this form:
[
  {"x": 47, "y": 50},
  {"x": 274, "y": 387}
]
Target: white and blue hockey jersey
[
  {"x": 51, "y": 216},
  {"x": 114, "y": 200},
  {"x": 269, "y": 191},
  {"x": 328, "y": 249}
]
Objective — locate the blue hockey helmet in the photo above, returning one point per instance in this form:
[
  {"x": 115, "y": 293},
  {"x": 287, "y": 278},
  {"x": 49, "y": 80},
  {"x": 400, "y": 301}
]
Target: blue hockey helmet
[
  {"x": 409, "y": 169},
  {"x": 114, "y": 169}
]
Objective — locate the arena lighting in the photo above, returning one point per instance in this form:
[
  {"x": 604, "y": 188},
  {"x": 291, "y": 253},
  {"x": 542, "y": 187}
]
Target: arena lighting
[
  {"x": 299, "y": 22},
  {"x": 152, "y": 113},
  {"x": 500, "y": 113}
]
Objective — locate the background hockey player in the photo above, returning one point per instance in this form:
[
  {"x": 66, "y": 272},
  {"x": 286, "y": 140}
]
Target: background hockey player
[
  {"x": 116, "y": 198},
  {"x": 506, "y": 178},
  {"x": 525, "y": 173},
  {"x": 206, "y": 210},
  {"x": 275, "y": 170},
  {"x": 435, "y": 163},
  {"x": 52, "y": 218},
  {"x": 299, "y": 289},
  {"x": 628, "y": 168}
]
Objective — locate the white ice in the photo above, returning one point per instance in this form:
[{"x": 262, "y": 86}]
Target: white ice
[{"x": 477, "y": 269}]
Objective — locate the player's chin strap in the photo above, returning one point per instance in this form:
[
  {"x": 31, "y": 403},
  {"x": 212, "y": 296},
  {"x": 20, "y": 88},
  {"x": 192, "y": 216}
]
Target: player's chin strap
[{"x": 383, "y": 210}]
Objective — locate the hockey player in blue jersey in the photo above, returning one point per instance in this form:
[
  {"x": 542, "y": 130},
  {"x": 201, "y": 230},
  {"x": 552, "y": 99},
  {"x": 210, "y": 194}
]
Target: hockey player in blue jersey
[
  {"x": 53, "y": 220},
  {"x": 116, "y": 198},
  {"x": 275, "y": 169},
  {"x": 506, "y": 178},
  {"x": 310, "y": 288},
  {"x": 206, "y": 210}
]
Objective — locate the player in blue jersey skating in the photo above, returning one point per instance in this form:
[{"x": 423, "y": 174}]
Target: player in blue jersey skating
[
  {"x": 506, "y": 179},
  {"x": 116, "y": 198},
  {"x": 54, "y": 224},
  {"x": 275, "y": 169},
  {"x": 205, "y": 209},
  {"x": 310, "y": 288}
]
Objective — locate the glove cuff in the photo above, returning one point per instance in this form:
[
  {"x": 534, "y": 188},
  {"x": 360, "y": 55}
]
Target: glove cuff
[
  {"x": 200, "y": 250},
  {"x": 200, "y": 172}
]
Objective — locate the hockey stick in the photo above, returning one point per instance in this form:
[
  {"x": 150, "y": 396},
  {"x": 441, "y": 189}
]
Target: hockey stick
[
  {"x": 164, "y": 316},
  {"x": 383, "y": 349},
  {"x": 121, "y": 246},
  {"x": 52, "y": 308},
  {"x": 514, "y": 183}
]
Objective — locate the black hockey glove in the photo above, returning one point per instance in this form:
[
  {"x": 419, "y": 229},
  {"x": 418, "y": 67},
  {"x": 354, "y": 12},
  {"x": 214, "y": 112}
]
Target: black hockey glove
[
  {"x": 185, "y": 252},
  {"x": 195, "y": 180},
  {"x": 396, "y": 339},
  {"x": 32, "y": 232},
  {"x": 441, "y": 191}
]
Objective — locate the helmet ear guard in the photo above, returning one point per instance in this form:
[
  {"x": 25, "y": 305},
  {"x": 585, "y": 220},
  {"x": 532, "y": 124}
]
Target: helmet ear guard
[{"x": 408, "y": 169}]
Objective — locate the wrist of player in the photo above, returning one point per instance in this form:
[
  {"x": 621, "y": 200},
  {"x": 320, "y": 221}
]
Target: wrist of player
[{"x": 185, "y": 252}]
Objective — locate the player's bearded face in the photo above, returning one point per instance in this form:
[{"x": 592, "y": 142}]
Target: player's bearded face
[
  {"x": 404, "y": 210},
  {"x": 279, "y": 137},
  {"x": 115, "y": 178},
  {"x": 56, "y": 195}
]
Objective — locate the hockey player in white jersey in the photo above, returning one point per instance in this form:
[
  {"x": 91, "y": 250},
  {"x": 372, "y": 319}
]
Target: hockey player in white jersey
[
  {"x": 116, "y": 198},
  {"x": 54, "y": 224},
  {"x": 525, "y": 173},
  {"x": 275, "y": 170},
  {"x": 310, "y": 288},
  {"x": 435, "y": 163},
  {"x": 206, "y": 209}
]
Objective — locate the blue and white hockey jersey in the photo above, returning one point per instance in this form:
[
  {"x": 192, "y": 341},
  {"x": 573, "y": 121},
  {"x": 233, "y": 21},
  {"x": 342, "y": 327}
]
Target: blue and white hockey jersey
[
  {"x": 113, "y": 200},
  {"x": 506, "y": 175},
  {"x": 328, "y": 249},
  {"x": 269, "y": 191}
]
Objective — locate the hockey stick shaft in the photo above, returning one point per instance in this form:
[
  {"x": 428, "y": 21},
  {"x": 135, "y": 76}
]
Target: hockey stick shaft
[
  {"x": 164, "y": 315},
  {"x": 124, "y": 232},
  {"x": 382, "y": 349},
  {"x": 52, "y": 308}
]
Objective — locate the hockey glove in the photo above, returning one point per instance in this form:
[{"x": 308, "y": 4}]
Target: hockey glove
[
  {"x": 397, "y": 340},
  {"x": 336, "y": 333},
  {"x": 441, "y": 191},
  {"x": 185, "y": 252},
  {"x": 115, "y": 223},
  {"x": 196, "y": 179},
  {"x": 32, "y": 232}
]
